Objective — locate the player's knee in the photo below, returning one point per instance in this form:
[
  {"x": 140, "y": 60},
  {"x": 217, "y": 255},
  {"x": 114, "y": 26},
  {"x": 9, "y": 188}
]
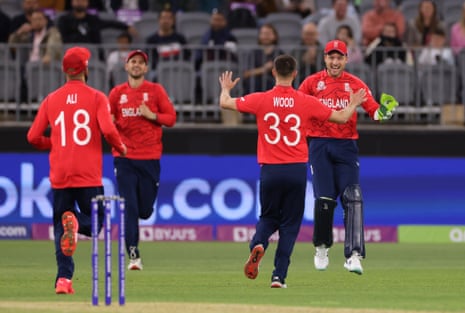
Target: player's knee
[{"x": 352, "y": 193}]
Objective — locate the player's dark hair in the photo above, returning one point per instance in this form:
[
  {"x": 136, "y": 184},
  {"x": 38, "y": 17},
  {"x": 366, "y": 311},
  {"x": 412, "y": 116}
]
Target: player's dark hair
[{"x": 285, "y": 65}]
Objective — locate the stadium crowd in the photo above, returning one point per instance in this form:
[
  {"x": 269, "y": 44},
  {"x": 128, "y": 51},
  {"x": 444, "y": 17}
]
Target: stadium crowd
[{"x": 413, "y": 38}]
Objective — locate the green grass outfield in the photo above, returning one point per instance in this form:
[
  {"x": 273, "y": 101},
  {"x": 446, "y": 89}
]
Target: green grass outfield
[{"x": 208, "y": 277}]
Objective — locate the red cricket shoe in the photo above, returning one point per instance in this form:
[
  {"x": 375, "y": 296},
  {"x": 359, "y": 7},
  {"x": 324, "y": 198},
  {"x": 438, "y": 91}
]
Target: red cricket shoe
[
  {"x": 64, "y": 286},
  {"x": 70, "y": 233},
  {"x": 252, "y": 264}
]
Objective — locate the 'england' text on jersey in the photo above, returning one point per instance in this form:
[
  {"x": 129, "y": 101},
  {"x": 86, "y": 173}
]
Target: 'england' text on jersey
[
  {"x": 128, "y": 112},
  {"x": 336, "y": 105},
  {"x": 283, "y": 102}
]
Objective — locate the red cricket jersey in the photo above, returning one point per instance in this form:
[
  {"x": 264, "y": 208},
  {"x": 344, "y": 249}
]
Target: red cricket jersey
[
  {"x": 282, "y": 114},
  {"x": 334, "y": 93},
  {"x": 142, "y": 137},
  {"x": 78, "y": 115}
]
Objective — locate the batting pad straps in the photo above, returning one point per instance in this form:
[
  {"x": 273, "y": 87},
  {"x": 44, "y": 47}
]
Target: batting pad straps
[
  {"x": 323, "y": 221},
  {"x": 352, "y": 202}
]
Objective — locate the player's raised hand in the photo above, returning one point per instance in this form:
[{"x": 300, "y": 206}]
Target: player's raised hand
[
  {"x": 358, "y": 97},
  {"x": 226, "y": 80},
  {"x": 387, "y": 107}
]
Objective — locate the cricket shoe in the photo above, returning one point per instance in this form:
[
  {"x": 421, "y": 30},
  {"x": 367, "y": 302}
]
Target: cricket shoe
[
  {"x": 321, "y": 260},
  {"x": 69, "y": 238},
  {"x": 252, "y": 264},
  {"x": 353, "y": 264},
  {"x": 135, "y": 264},
  {"x": 276, "y": 282},
  {"x": 64, "y": 286}
]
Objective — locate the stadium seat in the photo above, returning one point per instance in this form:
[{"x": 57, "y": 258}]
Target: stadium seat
[
  {"x": 409, "y": 9},
  {"x": 438, "y": 84},
  {"x": 9, "y": 82},
  {"x": 396, "y": 79},
  {"x": 288, "y": 26},
  {"x": 98, "y": 76},
  {"x": 178, "y": 78},
  {"x": 210, "y": 71},
  {"x": 192, "y": 25},
  {"x": 42, "y": 79},
  {"x": 246, "y": 36},
  {"x": 146, "y": 26},
  {"x": 362, "y": 71}
]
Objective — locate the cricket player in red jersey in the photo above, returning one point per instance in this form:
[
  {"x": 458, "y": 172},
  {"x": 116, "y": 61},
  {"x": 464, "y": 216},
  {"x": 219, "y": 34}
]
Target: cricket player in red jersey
[
  {"x": 333, "y": 155},
  {"x": 140, "y": 109},
  {"x": 282, "y": 114},
  {"x": 78, "y": 115}
]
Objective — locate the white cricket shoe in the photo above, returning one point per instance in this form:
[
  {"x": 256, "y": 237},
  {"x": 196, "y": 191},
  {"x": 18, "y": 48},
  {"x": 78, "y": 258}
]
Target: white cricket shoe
[
  {"x": 353, "y": 264},
  {"x": 321, "y": 259},
  {"x": 135, "y": 264}
]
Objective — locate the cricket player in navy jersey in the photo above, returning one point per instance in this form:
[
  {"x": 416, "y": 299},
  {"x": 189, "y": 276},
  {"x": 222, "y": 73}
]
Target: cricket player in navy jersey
[
  {"x": 282, "y": 115},
  {"x": 77, "y": 115},
  {"x": 140, "y": 109},
  {"x": 333, "y": 154}
]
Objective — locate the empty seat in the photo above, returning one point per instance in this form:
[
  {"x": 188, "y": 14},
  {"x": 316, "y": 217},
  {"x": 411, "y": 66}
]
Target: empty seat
[
  {"x": 146, "y": 26},
  {"x": 438, "y": 84},
  {"x": 396, "y": 79},
  {"x": 178, "y": 78},
  {"x": 42, "y": 79},
  {"x": 246, "y": 36},
  {"x": 288, "y": 26},
  {"x": 210, "y": 71},
  {"x": 409, "y": 9},
  {"x": 98, "y": 76},
  {"x": 192, "y": 25},
  {"x": 362, "y": 71},
  {"x": 9, "y": 82}
]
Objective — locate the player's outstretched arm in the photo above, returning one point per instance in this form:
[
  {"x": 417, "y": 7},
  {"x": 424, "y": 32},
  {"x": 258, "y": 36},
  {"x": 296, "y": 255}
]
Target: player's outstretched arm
[
  {"x": 388, "y": 105},
  {"x": 227, "y": 83},
  {"x": 342, "y": 116}
]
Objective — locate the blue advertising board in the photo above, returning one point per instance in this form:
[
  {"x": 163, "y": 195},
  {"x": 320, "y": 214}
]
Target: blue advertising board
[{"x": 222, "y": 190}]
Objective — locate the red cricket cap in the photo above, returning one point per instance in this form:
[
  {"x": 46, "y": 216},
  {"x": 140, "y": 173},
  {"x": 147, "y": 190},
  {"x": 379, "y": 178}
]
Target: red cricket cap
[
  {"x": 75, "y": 60},
  {"x": 137, "y": 52},
  {"x": 337, "y": 46}
]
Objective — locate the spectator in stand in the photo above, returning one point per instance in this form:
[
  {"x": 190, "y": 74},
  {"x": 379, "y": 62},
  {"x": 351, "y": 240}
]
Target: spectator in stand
[
  {"x": 98, "y": 5},
  {"x": 457, "y": 33},
  {"x": 329, "y": 24},
  {"x": 22, "y": 22},
  {"x": 117, "y": 58},
  {"x": 420, "y": 29},
  {"x": 166, "y": 43},
  {"x": 4, "y": 26},
  {"x": 344, "y": 33},
  {"x": 307, "y": 53},
  {"x": 437, "y": 51},
  {"x": 386, "y": 48},
  {"x": 259, "y": 77},
  {"x": 302, "y": 7},
  {"x": 141, "y": 5},
  {"x": 219, "y": 38},
  {"x": 45, "y": 41},
  {"x": 242, "y": 14},
  {"x": 56, "y": 5},
  {"x": 265, "y": 7},
  {"x": 374, "y": 20},
  {"x": 78, "y": 26}
]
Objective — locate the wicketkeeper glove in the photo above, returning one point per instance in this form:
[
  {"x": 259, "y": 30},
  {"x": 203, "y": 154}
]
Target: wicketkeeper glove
[{"x": 387, "y": 107}]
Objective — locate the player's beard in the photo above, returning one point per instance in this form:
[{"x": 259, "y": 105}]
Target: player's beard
[{"x": 136, "y": 76}]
